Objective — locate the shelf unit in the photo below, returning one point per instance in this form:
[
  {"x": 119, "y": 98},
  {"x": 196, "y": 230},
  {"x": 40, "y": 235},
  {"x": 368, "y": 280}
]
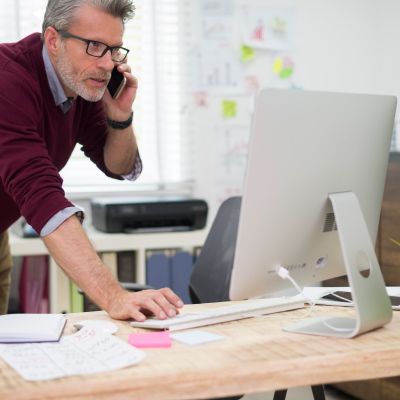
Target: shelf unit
[{"x": 107, "y": 245}]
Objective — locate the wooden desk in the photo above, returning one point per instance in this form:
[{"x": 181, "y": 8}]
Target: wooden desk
[{"x": 255, "y": 356}]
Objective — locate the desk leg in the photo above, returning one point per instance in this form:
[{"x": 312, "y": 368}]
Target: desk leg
[
  {"x": 317, "y": 391},
  {"x": 280, "y": 394}
]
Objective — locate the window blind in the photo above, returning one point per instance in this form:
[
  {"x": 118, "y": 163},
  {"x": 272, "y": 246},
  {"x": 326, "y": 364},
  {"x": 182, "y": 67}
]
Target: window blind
[{"x": 159, "y": 40}]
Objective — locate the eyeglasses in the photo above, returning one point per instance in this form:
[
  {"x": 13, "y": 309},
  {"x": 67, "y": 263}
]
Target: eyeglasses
[{"x": 98, "y": 49}]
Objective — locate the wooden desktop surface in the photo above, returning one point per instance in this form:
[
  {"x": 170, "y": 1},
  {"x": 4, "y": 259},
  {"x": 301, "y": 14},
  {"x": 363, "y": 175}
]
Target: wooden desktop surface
[{"x": 255, "y": 356}]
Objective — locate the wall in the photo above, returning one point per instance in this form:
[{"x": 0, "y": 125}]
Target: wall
[
  {"x": 339, "y": 45},
  {"x": 349, "y": 45}
]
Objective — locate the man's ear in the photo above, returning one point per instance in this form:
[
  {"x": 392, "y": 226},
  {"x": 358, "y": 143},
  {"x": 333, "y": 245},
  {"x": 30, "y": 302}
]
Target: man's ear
[{"x": 52, "y": 40}]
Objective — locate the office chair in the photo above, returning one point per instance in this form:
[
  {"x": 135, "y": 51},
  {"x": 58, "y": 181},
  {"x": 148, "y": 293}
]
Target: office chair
[{"x": 212, "y": 270}]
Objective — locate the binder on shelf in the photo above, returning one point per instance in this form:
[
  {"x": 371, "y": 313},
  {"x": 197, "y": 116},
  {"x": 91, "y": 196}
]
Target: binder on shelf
[
  {"x": 76, "y": 299},
  {"x": 79, "y": 301},
  {"x": 181, "y": 269},
  {"x": 196, "y": 253},
  {"x": 34, "y": 285},
  {"x": 88, "y": 304},
  {"x": 158, "y": 269},
  {"x": 109, "y": 258},
  {"x": 126, "y": 266}
]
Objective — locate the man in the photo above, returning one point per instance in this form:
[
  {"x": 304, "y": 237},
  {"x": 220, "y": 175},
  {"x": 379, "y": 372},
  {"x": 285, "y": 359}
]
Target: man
[{"x": 53, "y": 95}]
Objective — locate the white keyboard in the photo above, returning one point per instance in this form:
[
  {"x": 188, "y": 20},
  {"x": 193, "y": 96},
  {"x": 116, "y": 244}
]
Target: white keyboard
[{"x": 246, "y": 309}]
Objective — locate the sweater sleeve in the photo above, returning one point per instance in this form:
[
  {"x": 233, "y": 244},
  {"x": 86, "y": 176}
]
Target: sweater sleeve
[
  {"x": 27, "y": 172},
  {"x": 93, "y": 136}
]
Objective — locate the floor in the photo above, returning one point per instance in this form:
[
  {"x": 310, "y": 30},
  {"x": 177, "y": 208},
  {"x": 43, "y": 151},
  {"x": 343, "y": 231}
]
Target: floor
[{"x": 303, "y": 393}]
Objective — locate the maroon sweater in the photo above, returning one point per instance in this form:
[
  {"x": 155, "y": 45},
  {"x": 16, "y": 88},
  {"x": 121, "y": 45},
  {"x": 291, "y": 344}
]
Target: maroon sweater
[{"x": 37, "y": 138}]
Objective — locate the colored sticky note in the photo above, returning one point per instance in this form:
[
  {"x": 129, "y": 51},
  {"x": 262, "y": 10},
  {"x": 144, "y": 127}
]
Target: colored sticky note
[
  {"x": 150, "y": 340},
  {"x": 278, "y": 65},
  {"x": 229, "y": 108},
  {"x": 200, "y": 99},
  {"x": 283, "y": 67},
  {"x": 248, "y": 53},
  {"x": 279, "y": 25},
  {"x": 286, "y": 73}
]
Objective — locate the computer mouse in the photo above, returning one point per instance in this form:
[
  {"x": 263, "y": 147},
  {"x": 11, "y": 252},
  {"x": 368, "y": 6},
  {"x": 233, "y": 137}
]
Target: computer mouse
[{"x": 99, "y": 325}]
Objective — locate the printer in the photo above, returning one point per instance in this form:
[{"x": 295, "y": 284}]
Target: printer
[{"x": 156, "y": 214}]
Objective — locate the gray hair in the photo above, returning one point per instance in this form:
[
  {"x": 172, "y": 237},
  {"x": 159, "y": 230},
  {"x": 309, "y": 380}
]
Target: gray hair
[{"x": 60, "y": 13}]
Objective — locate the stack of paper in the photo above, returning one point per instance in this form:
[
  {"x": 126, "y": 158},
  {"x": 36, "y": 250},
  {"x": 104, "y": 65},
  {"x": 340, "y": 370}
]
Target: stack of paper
[
  {"x": 86, "y": 352},
  {"x": 18, "y": 328}
]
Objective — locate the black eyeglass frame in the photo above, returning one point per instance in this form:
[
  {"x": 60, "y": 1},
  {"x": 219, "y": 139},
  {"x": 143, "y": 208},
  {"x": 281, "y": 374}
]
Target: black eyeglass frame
[{"x": 67, "y": 34}]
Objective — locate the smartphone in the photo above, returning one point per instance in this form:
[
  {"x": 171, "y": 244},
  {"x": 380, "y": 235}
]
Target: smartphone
[
  {"x": 116, "y": 83},
  {"x": 341, "y": 296}
]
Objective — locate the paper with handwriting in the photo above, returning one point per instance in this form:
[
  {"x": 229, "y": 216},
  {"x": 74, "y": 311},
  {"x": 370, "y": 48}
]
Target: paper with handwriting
[{"x": 87, "y": 351}]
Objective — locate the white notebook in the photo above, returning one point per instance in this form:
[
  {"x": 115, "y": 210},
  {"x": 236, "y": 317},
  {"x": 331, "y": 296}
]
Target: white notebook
[{"x": 23, "y": 328}]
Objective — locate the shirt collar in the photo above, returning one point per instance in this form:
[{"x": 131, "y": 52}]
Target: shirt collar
[{"x": 61, "y": 100}]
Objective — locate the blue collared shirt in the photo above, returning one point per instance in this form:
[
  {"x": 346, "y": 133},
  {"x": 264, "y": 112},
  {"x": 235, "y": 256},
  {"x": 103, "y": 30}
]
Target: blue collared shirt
[{"x": 57, "y": 90}]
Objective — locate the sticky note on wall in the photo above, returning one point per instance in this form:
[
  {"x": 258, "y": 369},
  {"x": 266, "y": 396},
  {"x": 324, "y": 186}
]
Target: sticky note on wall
[
  {"x": 248, "y": 53},
  {"x": 283, "y": 67},
  {"x": 229, "y": 108}
]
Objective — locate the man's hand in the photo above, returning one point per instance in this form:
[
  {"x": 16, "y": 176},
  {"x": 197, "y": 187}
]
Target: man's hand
[
  {"x": 162, "y": 303},
  {"x": 71, "y": 249},
  {"x": 119, "y": 109}
]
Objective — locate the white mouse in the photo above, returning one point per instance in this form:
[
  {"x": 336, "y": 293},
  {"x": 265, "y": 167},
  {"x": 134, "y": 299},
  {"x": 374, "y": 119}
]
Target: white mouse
[{"x": 99, "y": 325}]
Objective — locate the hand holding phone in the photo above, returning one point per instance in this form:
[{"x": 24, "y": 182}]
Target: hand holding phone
[{"x": 116, "y": 83}]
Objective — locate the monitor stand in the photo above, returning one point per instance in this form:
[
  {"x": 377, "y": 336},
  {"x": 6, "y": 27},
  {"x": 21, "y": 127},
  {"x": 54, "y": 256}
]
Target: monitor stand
[{"x": 371, "y": 302}]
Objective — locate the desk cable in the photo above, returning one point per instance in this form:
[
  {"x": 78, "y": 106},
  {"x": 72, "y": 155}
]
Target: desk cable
[
  {"x": 285, "y": 274},
  {"x": 340, "y": 297}
]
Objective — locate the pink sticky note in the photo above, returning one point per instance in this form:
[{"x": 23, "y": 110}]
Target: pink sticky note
[{"x": 151, "y": 339}]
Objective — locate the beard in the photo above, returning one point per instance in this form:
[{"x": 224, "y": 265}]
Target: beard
[{"x": 70, "y": 79}]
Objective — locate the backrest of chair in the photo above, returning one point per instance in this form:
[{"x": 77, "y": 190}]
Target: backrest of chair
[{"x": 212, "y": 270}]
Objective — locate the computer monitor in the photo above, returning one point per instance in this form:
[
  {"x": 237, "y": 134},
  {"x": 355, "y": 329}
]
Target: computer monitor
[{"x": 312, "y": 198}]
